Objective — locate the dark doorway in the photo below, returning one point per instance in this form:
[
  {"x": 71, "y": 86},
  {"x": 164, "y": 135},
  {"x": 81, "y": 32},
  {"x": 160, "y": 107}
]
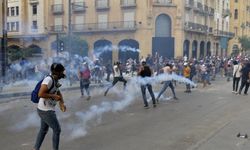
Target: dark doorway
[
  {"x": 103, "y": 51},
  {"x": 128, "y": 49}
]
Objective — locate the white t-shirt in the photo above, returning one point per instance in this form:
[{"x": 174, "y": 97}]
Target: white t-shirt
[
  {"x": 117, "y": 72},
  {"x": 48, "y": 104}
]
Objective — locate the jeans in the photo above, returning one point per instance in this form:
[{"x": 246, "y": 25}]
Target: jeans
[
  {"x": 235, "y": 83},
  {"x": 165, "y": 86},
  {"x": 116, "y": 79},
  {"x": 84, "y": 84},
  {"x": 143, "y": 90},
  {"x": 245, "y": 84},
  {"x": 48, "y": 119}
]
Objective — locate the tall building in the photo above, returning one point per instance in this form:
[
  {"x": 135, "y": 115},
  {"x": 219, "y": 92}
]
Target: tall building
[
  {"x": 26, "y": 25},
  {"x": 171, "y": 28},
  {"x": 240, "y": 22}
]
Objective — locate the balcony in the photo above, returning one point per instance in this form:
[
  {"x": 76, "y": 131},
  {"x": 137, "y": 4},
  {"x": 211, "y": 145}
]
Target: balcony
[
  {"x": 195, "y": 27},
  {"x": 57, "y": 29},
  {"x": 220, "y": 33},
  {"x": 225, "y": 13},
  {"x": 189, "y": 4},
  {"x": 127, "y": 26},
  {"x": 79, "y": 7},
  {"x": 57, "y": 9},
  {"x": 128, "y": 3},
  {"x": 102, "y": 5},
  {"x": 34, "y": 2},
  {"x": 163, "y": 3},
  {"x": 211, "y": 11},
  {"x": 206, "y": 9},
  {"x": 210, "y": 31}
]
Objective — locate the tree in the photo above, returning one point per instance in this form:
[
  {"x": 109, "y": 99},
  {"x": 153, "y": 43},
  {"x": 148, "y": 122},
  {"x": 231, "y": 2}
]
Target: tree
[
  {"x": 245, "y": 43},
  {"x": 78, "y": 45}
]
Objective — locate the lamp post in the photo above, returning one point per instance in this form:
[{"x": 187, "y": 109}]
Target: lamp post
[
  {"x": 69, "y": 28},
  {"x": 4, "y": 39}
]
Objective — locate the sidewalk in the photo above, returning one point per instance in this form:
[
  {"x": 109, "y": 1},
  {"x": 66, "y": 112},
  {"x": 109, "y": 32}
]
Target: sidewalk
[{"x": 24, "y": 88}]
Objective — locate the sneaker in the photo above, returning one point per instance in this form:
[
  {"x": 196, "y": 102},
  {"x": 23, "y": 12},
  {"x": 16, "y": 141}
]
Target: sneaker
[
  {"x": 154, "y": 105},
  {"x": 175, "y": 98},
  {"x": 146, "y": 107},
  {"x": 106, "y": 92},
  {"x": 233, "y": 91},
  {"x": 88, "y": 98},
  {"x": 245, "y": 94}
]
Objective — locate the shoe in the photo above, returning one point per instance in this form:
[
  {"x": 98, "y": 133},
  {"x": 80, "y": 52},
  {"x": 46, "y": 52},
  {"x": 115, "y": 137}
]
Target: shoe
[
  {"x": 157, "y": 100},
  {"x": 175, "y": 98},
  {"x": 233, "y": 91},
  {"x": 106, "y": 92},
  {"x": 88, "y": 98},
  {"x": 146, "y": 107},
  {"x": 154, "y": 105},
  {"x": 245, "y": 94}
]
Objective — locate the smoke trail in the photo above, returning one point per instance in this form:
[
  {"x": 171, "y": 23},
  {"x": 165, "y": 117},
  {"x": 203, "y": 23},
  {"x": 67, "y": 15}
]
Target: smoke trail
[
  {"x": 79, "y": 129},
  {"x": 98, "y": 51}
]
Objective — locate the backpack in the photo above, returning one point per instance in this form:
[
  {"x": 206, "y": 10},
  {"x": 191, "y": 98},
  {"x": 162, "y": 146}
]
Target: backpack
[{"x": 34, "y": 93}]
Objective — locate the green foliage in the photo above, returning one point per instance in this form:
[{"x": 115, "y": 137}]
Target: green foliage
[
  {"x": 14, "y": 54},
  {"x": 78, "y": 45},
  {"x": 245, "y": 43}
]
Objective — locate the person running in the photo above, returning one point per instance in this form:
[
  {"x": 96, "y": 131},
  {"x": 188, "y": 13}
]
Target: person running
[
  {"x": 169, "y": 83},
  {"x": 245, "y": 79},
  {"x": 144, "y": 72},
  {"x": 117, "y": 77},
  {"x": 236, "y": 75},
  {"x": 84, "y": 76},
  {"x": 46, "y": 106}
]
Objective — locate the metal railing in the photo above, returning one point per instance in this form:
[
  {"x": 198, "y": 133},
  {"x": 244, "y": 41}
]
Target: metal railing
[
  {"x": 102, "y": 4},
  {"x": 221, "y": 33},
  {"x": 57, "y": 28},
  {"x": 105, "y": 27},
  {"x": 195, "y": 27},
  {"x": 189, "y": 4},
  {"x": 79, "y": 7},
  {"x": 128, "y": 3},
  {"x": 225, "y": 12},
  {"x": 163, "y": 2},
  {"x": 57, "y": 8}
]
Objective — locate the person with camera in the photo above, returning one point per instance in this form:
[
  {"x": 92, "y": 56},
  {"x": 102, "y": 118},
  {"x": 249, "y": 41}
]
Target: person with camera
[
  {"x": 117, "y": 77},
  {"x": 46, "y": 106}
]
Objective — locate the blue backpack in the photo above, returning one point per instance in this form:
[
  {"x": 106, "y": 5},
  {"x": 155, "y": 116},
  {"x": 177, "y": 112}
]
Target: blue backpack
[{"x": 34, "y": 93}]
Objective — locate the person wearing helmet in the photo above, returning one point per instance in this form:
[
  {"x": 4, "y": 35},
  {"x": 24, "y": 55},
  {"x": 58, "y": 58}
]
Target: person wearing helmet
[{"x": 46, "y": 106}]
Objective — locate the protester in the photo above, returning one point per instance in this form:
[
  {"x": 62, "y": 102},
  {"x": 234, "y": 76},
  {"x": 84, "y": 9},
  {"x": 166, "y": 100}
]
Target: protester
[
  {"x": 117, "y": 77},
  {"x": 245, "y": 79},
  {"x": 84, "y": 76},
  {"x": 236, "y": 75},
  {"x": 167, "y": 70},
  {"x": 186, "y": 74},
  {"x": 46, "y": 106},
  {"x": 144, "y": 72}
]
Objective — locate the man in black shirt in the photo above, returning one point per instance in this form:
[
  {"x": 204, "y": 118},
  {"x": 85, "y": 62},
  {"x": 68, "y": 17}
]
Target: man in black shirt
[
  {"x": 245, "y": 78},
  {"x": 144, "y": 72}
]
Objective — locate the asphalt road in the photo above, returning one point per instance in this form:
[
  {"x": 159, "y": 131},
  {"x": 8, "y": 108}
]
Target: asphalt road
[{"x": 206, "y": 119}]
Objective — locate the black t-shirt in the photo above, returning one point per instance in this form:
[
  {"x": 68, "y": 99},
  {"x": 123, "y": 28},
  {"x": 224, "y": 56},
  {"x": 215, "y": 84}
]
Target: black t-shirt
[
  {"x": 146, "y": 72},
  {"x": 245, "y": 71}
]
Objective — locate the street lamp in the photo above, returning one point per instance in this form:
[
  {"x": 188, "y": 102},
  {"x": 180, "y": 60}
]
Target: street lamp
[{"x": 4, "y": 39}]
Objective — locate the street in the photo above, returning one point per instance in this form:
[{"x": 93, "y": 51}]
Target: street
[{"x": 206, "y": 119}]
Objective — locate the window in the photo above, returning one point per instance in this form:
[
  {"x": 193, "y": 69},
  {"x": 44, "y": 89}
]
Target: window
[
  {"x": 8, "y": 26},
  {"x": 17, "y": 26},
  {"x": 102, "y": 21},
  {"x": 58, "y": 24},
  {"x": 128, "y": 19},
  {"x": 12, "y": 26},
  {"x": 12, "y": 11},
  {"x": 8, "y": 11},
  {"x": 236, "y": 1},
  {"x": 17, "y": 10},
  {"x": 236, "y": 14},
  {"x": 79, "y": 21},
  {"x": 34, "y": 24},
  {"x": 236, "y": 31},
  {"x": 34, "y": 9}
]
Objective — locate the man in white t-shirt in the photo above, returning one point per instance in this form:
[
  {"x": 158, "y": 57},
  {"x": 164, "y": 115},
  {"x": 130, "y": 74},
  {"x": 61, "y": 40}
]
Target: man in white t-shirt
[
  {"x": 46, "y": 106},
  {"x": 117, "y": 72}
]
